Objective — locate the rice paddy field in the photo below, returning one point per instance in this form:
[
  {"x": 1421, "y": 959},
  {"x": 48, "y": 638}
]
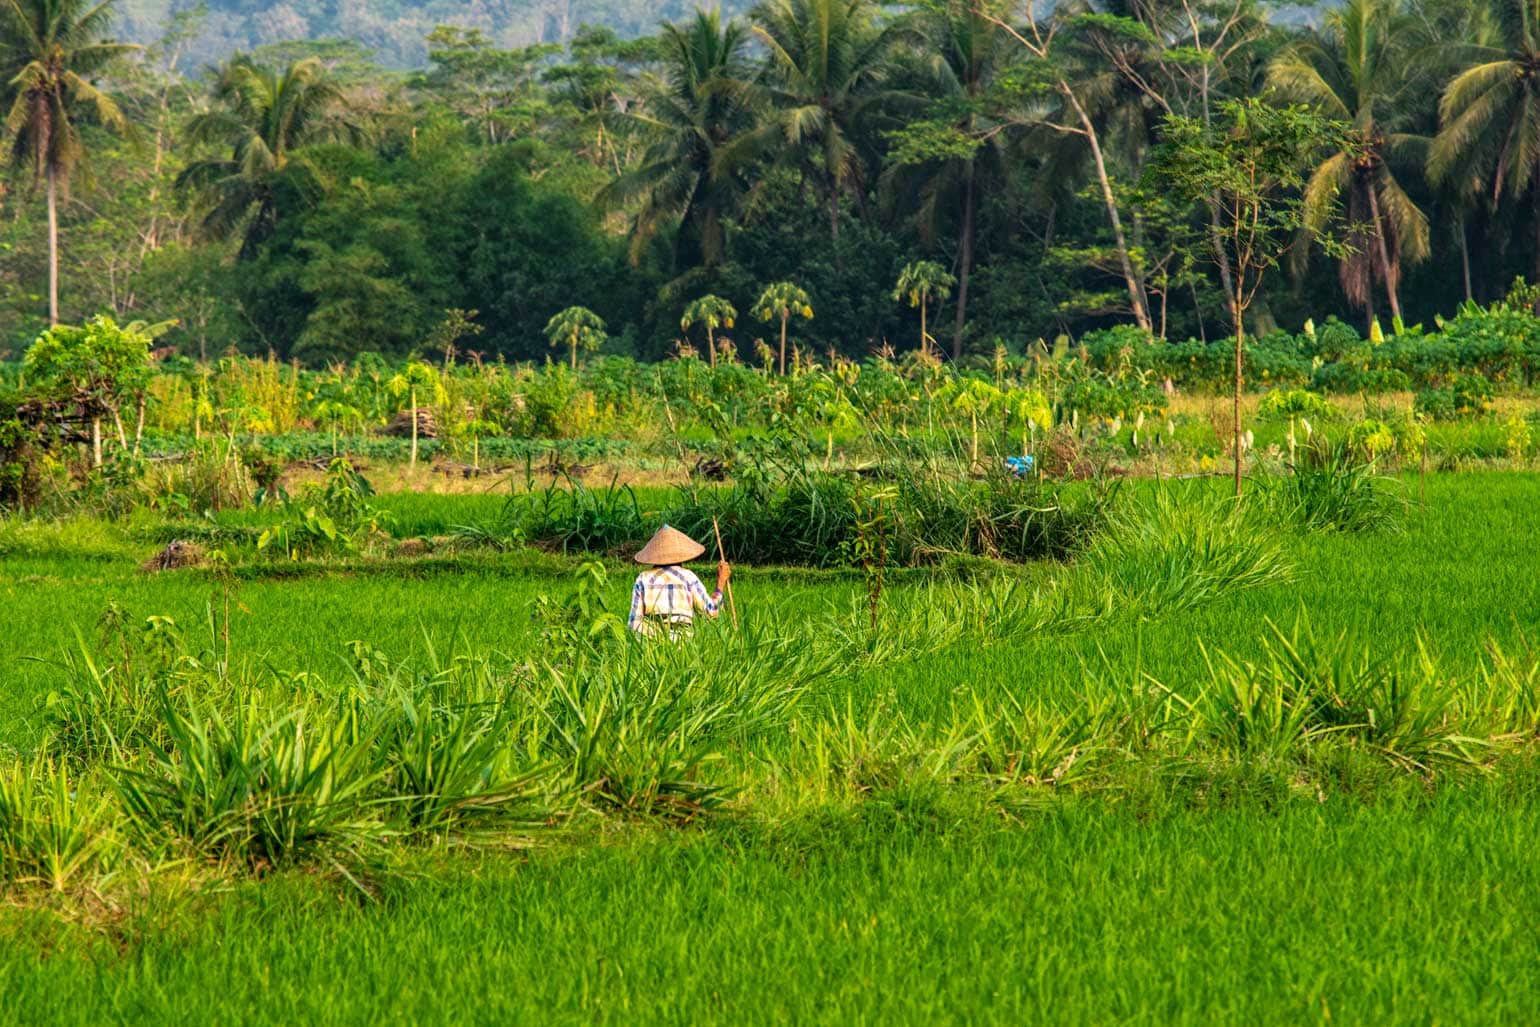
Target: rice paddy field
[{"x": 1269, "y": 775}]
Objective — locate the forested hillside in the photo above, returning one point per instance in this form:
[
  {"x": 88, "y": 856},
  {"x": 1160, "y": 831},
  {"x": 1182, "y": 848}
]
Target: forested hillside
[{"x": 395, "y": 30}]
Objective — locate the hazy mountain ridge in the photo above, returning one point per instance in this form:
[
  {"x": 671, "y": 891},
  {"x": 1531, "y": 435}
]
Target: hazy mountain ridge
[{"x": 394, "y": 29}]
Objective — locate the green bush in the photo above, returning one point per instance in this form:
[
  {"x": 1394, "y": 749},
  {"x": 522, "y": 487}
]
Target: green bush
[{"x": 1466, "y": 395}]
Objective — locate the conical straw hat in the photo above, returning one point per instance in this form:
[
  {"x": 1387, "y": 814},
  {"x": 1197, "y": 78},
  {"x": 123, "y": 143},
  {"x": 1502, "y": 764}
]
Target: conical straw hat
[{"x": 670, "y": 546}]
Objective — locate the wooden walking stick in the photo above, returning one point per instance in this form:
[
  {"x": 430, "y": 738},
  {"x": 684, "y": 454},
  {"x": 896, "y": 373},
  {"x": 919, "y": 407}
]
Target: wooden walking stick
[{"x": 732, "y": 606}]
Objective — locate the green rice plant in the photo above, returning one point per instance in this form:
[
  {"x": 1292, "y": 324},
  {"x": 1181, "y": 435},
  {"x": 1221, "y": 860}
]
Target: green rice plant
[
  {"x": 264, "y": 788},
  {"x": 53, "y": 830}
]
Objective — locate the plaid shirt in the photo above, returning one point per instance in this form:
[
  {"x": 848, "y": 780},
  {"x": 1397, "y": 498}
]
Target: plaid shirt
[{"x": 670, "y": 594}]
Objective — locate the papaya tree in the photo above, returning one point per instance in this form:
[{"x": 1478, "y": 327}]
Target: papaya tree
[
  {"x": 921, "y": 283},
  {"x": 781, "y": 301},
  {"x": 576, "y": 328},
  {"x": 415, "y": 377},
  {"x": 713, "y": 312}
]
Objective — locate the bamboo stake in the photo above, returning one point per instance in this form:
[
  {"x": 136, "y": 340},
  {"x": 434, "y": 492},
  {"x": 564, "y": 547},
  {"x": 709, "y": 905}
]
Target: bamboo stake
[{"x": 731, "y": 605}]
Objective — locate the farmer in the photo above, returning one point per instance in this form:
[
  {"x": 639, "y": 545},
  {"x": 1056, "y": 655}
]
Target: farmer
[{"x": 668, "y": 595}]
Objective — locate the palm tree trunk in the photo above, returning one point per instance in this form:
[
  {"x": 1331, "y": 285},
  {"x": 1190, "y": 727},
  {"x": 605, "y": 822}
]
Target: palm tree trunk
[
  {"x": 414, "y": 426},
  {"x": 1465, "y": 260},
  {"x": 574, "y": 351},
  {"x": 53, "y": 246},
  {"x": 1088, "y": 129},
  {"x": 965, "y": 258},
  {"x": 1535, "y": 192},
  {"x": 924, "y": 335},
  {"x": 1384, "y": 253},
  {"x": 785, "y": 316}
]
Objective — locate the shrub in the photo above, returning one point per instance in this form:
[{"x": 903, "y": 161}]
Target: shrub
[
  {"x": 1372, "y": 438},
  {"x": 1466, "y": 395}
]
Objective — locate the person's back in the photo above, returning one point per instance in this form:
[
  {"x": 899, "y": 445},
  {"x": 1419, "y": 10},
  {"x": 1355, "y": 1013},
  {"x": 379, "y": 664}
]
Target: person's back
[{"x": 667, "y": 596}]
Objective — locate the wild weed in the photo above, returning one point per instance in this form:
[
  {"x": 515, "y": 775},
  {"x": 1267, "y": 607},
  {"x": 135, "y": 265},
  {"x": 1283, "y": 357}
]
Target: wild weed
[
  {"x": 52, "y": 829},
  {"x": 1179, "y": 549}
]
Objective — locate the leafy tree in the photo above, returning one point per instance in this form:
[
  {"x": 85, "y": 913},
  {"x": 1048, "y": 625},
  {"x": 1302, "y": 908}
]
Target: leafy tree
[
  {"x": 1357, "y": 71},
  {"x": 50, "y": 50},
  {"x": 699, "y": 106},
  {"x": 265, "y": 117},
  {"x": 482, "y": 84},
  {"x": 576, "y": 327},
  {"x": 780, "y": 302},
  {"x": 921, "y": 283},
  {"x": 98, "y": 365},
  {"x": 713, "y": 312},
  {"x": 960, "y": 148},
  {"x": 1252, "y": 160}
]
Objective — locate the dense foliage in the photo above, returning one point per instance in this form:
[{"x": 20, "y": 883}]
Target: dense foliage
[{"x": 305, "y": 200}]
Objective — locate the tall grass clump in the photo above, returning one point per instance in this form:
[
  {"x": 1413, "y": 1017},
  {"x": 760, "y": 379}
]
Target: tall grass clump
[
  {"x": 1304, "y": 691},
  {"x": 1332, "y": 489},
  {"x": 54, "y": 828},
  {"x": 1179, "y": 548},
  {"x": 642, "y": 725},
  {"x": 259, "y": 787}
]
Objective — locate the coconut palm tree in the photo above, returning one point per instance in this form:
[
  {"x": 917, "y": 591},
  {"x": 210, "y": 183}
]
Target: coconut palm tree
[
  {"x": 49, "y": 52},
  {"x": 828, "y": 84},
  {"x": 698, "y": 106},
  {"x": 265, "y": 117},
  {"x": 1355, "y": 70},
  {"x": 964, "y": 52},
  {"x": 1489, "y": 114}
]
